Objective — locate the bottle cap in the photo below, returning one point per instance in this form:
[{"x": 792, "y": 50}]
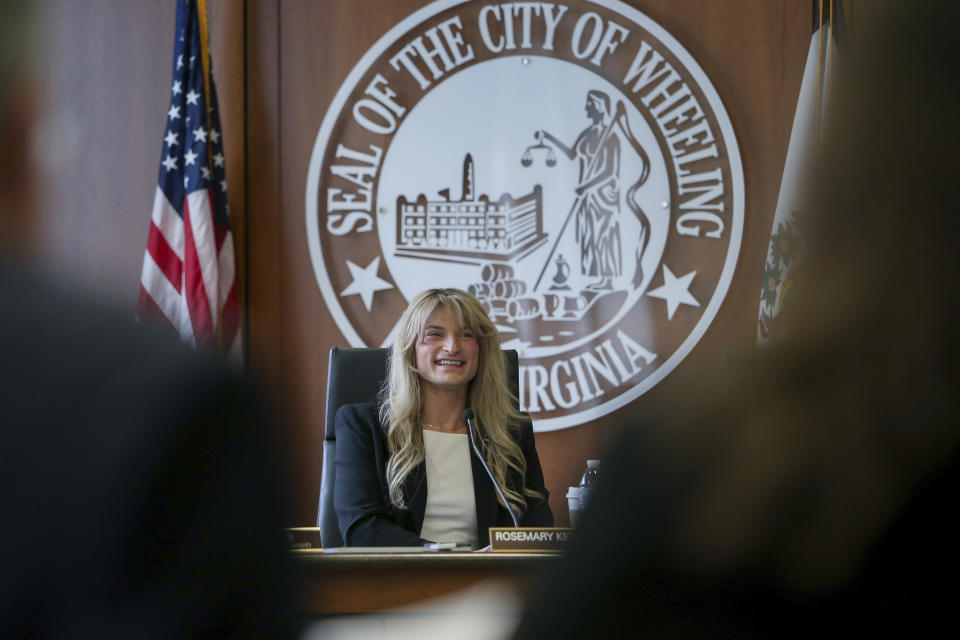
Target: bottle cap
[{"x": 593, "y": 464}]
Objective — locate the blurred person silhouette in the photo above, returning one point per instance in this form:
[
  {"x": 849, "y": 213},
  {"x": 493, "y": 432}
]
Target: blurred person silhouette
[
  {"x": 140, "y": 494},
  {"x": 808, "y": 490}
]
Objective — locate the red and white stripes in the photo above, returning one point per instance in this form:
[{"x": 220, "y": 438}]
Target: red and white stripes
[{"x": 188, "y": 279}]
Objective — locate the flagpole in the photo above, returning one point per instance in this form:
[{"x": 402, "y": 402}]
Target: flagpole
[
  {"x": 819, "y": 54},
  {"x": 205, "y": 61},
  {"x": 204, "y": 54}
]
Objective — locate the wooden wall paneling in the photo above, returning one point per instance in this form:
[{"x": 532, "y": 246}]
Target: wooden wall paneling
[
  {"x": 305, "y": 325},
  {"x": 269, "y": 293},
  {"x": 262, "y": 279},
  {"x": 753, "y": 53},
  {"x": 319, "y": 44}
]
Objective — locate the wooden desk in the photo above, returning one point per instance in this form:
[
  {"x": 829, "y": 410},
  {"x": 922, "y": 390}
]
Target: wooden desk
[{"x": 341, "y": 583}]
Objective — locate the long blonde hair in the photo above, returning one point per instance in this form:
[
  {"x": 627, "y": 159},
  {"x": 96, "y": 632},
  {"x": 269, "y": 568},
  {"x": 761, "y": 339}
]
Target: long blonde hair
[{"x": 488, "y": 395}]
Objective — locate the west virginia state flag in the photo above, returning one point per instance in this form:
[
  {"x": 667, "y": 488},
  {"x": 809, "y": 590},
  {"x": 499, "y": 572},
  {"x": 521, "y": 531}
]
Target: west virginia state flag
[{"x": 784, "y": 251}]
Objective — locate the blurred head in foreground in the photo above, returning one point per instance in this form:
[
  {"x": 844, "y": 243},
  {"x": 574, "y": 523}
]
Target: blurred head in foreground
[
  {"x": 138, "y": 480},
  {"x": 810, "y": 487}
]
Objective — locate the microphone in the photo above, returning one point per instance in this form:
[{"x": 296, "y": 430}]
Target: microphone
[{"x": 468, "y": 418}]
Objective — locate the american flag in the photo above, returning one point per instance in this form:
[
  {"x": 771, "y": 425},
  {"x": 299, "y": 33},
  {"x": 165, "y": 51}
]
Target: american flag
[{"x": 188, "y": 279}]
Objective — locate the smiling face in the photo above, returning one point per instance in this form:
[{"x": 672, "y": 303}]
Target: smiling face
[{"x": 447, "y": 354}]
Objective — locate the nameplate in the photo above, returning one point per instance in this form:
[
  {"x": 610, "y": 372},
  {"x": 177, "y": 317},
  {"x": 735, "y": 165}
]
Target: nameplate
[
  {"x": 530, "y": 539},
  {"x": 299, "y": 538}
]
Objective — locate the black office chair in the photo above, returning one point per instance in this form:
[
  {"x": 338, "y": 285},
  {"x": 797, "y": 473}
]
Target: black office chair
[{"x": 356, "y": 375}]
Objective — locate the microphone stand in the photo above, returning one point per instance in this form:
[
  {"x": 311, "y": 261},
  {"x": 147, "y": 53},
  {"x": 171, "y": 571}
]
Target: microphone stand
[{"x": 468, "y": 418}]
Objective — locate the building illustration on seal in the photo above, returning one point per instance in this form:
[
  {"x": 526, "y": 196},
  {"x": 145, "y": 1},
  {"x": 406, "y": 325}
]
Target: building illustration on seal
[{"x": 472, "y": 230}]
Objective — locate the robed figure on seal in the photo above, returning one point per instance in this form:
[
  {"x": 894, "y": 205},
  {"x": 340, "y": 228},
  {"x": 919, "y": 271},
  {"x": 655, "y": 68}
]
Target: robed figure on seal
[{"x": 598, "y": 192}]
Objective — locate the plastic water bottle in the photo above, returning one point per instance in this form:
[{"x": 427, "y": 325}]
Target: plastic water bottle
[{"x": 588, "y": 483}]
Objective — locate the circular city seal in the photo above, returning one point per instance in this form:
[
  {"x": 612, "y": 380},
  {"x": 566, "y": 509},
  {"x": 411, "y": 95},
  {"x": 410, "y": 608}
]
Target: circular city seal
[{"x": 569, "y": 164}]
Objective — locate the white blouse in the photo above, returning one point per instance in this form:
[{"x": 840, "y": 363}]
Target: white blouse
[{"x": 451, "y": 514}]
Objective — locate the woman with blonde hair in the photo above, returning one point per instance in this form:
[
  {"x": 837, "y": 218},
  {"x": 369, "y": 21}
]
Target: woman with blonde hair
[{"x": 406, "y": 472}]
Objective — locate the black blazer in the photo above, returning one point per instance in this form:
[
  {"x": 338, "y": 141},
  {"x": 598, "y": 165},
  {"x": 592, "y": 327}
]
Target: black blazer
[{"x": 361, "y": 496}]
